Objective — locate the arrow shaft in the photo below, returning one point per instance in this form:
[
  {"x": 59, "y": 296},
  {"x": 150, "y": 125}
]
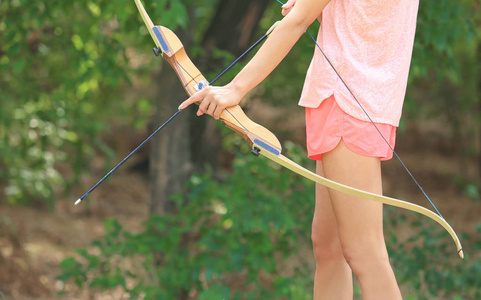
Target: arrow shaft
[
  {"x": 148, "y": 23},
  {"x": 127, "y": 157}
]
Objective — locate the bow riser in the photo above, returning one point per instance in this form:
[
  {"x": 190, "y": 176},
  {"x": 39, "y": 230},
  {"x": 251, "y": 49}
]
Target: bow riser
[{"x": 173, "y": 52}]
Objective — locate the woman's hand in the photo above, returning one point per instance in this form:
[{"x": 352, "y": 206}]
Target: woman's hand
[
  {"x": 287, "y": 7},
  {"x": 213, "y": 100}
]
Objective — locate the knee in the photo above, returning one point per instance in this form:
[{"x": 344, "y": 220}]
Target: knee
[
  {"x": 326, "y": 246},
  {"x": 364, "y": 256}
]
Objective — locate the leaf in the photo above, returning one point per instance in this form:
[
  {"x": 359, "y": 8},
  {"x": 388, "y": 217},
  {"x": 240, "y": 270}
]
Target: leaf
[
  {"x": 69, "y": 264},
  {"x": 219, "y": 292},
  {"x": 19, "y": 65}
]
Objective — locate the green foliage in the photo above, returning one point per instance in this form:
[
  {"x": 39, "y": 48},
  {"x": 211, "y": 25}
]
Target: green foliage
[
  {"x": 62, "y": 66},
  {"x": 428, "y": 264},
  {"x": 470, "y": 189},
  {"x": 441, "y": 26},
  {"x": 226, "y": 241},
  {"x": 444, "y": 63}
]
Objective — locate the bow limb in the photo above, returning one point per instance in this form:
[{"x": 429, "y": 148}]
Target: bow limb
[
  {"x": 147, "y": 21},
  {"x": 289, "y": 164}
]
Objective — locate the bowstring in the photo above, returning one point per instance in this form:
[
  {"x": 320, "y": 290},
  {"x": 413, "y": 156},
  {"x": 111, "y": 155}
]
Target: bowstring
[{"x": 374, "y": 124}]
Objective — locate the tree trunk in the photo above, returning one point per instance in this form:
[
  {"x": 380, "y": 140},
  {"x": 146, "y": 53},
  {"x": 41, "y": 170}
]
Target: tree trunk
[
  {"x": 189, "y": 142},
  {"x": 235, "y": 25},
  {"x": 478, "y": 107},
  {"x": 170, "y": 158}
]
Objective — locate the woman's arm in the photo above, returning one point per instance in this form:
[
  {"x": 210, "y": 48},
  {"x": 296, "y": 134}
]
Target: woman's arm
[{"x": 213, "y": 100}]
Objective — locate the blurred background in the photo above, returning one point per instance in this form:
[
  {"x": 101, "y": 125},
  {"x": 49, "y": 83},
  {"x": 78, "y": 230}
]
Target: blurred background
[{"x": 192, "y": 215}]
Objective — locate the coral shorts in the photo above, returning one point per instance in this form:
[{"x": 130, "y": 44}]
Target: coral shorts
[{"x": 327, "y": 124}]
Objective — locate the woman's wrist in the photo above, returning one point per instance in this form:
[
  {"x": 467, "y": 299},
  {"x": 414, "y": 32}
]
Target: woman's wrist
[{"x": 237, "y": 89}]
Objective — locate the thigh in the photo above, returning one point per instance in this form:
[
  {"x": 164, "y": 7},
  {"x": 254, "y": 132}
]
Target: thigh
[
  {"x": 359, "y": 220},
  {"x": 324, "y": 224}
]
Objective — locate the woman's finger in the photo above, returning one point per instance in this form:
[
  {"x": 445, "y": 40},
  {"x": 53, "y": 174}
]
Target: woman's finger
[
  {"x": 212, "y": 106},
  {"x": 287, "y": 7},
  {"x": 204, "y": 106},
  {"x": 218, "y": 111},
  {"x": 192, "y": 99},
  {"x": 196, "y": 98}
]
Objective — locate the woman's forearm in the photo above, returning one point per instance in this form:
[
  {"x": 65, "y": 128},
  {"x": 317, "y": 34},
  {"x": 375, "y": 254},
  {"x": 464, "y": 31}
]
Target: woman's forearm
[{"x": 276, "y": 47}]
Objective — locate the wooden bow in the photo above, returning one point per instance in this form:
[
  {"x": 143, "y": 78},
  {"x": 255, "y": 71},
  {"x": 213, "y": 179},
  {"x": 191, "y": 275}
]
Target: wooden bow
[{"x": 261, "y": 140}]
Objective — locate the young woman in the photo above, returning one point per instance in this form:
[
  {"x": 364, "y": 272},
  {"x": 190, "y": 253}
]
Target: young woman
[{"x": 370, "y": 44}]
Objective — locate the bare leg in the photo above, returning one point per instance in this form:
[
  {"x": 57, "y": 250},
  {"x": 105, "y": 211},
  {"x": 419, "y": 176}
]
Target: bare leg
[
  {"x": 333, "y": 277},
  {"x": 359, "y": 222}
]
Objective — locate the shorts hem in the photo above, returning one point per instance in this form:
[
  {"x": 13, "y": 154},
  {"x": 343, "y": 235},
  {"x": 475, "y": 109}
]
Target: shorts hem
[{"x": 318, "y": 156}]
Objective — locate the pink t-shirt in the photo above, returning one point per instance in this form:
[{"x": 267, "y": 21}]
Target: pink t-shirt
[{"x": 370, "y": 44}]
